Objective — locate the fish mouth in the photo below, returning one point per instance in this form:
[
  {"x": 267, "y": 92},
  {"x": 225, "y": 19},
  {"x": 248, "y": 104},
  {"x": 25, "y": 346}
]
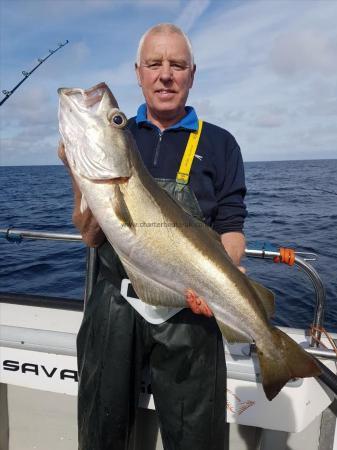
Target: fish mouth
[{"x": 87, "y": 98}]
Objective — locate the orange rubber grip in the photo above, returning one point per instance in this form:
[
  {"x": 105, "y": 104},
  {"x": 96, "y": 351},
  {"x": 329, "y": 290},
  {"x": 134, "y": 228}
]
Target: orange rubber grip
[{"x": 287, "y": 256}]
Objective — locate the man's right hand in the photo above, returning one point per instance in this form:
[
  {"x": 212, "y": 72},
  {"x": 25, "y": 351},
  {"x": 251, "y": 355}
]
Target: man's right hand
[
  {"x": 85, "y": 222},
  {"x": 62, "y": 154}
]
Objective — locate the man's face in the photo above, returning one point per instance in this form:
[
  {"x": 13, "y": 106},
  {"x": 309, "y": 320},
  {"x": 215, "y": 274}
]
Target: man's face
[{"x": 165, "y": 75}]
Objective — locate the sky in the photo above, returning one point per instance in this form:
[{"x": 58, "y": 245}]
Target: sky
[{"x": 266, "y": 69}]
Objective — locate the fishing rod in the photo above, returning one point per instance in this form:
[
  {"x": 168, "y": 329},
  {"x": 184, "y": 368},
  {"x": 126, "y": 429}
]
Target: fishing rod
[{"x": 26, "y": 74}]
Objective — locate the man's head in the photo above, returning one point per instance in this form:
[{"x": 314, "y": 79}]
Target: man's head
[{"x": 165, "y": 71}]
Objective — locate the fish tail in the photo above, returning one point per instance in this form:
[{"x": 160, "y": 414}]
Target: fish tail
[{"x": 288, "y": 360}]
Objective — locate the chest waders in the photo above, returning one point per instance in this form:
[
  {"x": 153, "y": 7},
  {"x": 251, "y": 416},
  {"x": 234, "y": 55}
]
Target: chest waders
[{"x": 185, "y": 355}]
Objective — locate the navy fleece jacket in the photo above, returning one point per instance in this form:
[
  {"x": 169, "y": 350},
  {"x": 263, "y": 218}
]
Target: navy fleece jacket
[{"x": 217, "y": 173}]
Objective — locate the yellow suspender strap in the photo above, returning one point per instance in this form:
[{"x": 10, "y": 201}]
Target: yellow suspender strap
[{"x": 187, "y": 160}]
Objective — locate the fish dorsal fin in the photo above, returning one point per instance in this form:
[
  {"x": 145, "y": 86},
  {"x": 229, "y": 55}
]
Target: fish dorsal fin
[
  {"x": 266, "y": 296},
  {"x": 232, "y": 335},
  {"x": 150, "y": 291},
  {"x": 121, "y": 209}
]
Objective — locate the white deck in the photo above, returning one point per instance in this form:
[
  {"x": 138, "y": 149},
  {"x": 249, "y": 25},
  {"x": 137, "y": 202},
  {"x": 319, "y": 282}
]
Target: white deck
[{"x": 38, "y": 364}]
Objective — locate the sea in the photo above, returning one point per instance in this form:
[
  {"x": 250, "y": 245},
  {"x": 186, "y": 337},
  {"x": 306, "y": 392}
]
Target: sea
[{"x": 290, "y": 203}]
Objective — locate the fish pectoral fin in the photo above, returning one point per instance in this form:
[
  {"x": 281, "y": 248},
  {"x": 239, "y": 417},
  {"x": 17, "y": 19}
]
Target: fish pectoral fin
[
  {"x": 197, "y": 304},
  {"x": 232, "y": 336},
  {"x": 121, "y": 208},
  {"x": 150, "y": 291},
  {"x": 266, "y": 296}
]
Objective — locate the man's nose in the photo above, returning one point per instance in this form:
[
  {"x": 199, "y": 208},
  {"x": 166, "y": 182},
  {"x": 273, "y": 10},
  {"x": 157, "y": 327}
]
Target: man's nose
[{"x": 166, "y": 72}]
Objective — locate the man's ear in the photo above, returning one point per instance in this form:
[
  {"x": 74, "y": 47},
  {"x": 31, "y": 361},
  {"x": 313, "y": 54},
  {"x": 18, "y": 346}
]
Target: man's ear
[
  {"x": 192, "y": 74},
  {"x": 138, "y": 75}
]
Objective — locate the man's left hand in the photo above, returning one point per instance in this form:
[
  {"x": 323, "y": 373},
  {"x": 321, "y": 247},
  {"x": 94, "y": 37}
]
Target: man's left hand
[{"x": 235, "y": 245}]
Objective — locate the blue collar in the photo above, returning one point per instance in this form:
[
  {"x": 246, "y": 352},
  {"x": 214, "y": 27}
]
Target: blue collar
[{"x": 188, "y": 122}]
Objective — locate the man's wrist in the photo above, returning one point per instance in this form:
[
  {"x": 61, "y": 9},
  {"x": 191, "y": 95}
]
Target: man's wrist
[{"x": 234, "y": 243}]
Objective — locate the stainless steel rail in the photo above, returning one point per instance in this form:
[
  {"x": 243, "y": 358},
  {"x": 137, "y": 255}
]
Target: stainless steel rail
[
  {"x": 322, "y": 353},
  {"x": 14, "y": 233},
  {"x": 316, "y": 281}
]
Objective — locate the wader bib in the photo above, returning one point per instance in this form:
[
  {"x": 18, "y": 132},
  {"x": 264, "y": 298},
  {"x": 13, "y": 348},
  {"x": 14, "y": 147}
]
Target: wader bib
[{"x": 185, "y": 356}]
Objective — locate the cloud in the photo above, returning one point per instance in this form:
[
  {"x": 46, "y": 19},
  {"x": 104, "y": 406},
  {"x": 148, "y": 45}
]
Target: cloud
[
  {"x": 300, "y": 52},
  {"x": 31, "y": 109},
  {"x": 265, "y": 69},
  {"x": 270, "y": 108},
  {"x": 191, "y": 13},
  {"x": 232, "y": 37},
  {"x": 30, "y": 146},
  {"x": 171, "y": 5},
  {"x": 23, "y": 153},
  {"x": 29, "y": 128},
  {"x": 79, "y": 13},
  {"x": 80, "y": 52},
  {"x": 204, "y": 106},
  {"x": 122, "y": 75},
  {"x": 268, "y": 120}
]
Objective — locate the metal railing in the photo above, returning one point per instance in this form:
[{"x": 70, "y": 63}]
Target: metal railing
[
  {"x": 314, "y": 277},
  {"x": 17, "y": 235}
]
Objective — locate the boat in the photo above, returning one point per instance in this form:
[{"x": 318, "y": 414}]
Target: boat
[{"x": 39, "y": 376}]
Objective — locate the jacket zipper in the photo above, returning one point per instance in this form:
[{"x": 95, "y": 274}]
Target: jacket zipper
[{"x": 156, "y": 152}]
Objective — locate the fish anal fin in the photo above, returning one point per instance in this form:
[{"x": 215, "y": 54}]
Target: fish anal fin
[
  {"x": 150, "y": 291},
  {"x": 266, "y": 297},
  {"x": 232, "y": 336},
  {"x": 288, "y": 360},
  {"x": 121, "y": 208}
]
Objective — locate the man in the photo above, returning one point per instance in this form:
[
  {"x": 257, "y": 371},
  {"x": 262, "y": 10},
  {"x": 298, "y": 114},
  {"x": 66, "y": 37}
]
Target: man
[{"x": 184, "y": 350}]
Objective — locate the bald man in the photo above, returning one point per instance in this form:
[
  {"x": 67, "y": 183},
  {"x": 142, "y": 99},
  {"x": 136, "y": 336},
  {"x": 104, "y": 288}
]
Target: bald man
[{"x": 120, "y": 334}]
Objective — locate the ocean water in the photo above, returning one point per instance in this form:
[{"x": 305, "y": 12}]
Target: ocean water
[{"x": 290, "y": 203}]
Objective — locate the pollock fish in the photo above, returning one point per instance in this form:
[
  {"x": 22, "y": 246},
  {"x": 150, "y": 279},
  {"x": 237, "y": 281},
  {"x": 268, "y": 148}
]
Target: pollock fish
[{"x": 165, "y": 251}]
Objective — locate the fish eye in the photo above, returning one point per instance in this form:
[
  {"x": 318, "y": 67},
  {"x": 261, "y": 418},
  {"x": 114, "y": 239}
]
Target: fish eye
[{"x": 117, "y": 119}]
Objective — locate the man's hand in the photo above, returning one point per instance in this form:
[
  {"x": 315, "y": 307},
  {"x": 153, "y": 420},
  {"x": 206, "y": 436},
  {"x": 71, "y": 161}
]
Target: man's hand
[
  {"x": 86, "y": 223},
  {"x": 235, "y": 244},
  {"x": 62, "y": 154}
]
